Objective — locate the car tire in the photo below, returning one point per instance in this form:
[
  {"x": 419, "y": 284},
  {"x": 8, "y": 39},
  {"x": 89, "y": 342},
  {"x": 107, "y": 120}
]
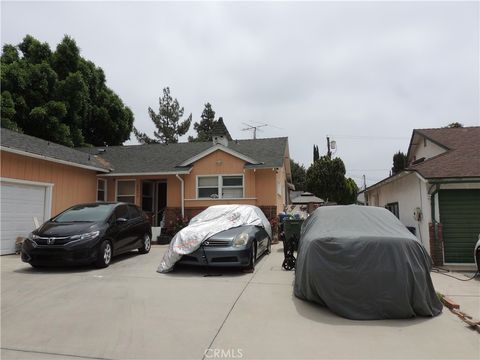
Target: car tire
[
  {"x": 146, "y": 244},
  {"x": 36, "y": 266},
  {"x": 268, "y": 250},
  {"x": 105, "y": 253},
  {"x": 253, "y": 253}
]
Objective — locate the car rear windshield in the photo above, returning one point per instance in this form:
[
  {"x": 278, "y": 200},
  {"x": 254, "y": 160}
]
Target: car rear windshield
[{"x": 94, "y": 212}]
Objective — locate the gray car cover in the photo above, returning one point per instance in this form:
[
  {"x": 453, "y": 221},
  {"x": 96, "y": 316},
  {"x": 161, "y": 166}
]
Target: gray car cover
[{"x": 362, "y": 263}]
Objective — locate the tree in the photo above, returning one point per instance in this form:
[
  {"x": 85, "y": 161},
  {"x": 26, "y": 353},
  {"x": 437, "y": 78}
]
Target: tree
[
  {"x": 454, "y": 125},
  {"x": 204, "y": 127},
  {"x": 168, "y": 121},
  {"x": 326, "y": 178},
  {"x": 399, "y": 162},
  {"x": 298, "y": 175},
  {"x": 316, "y": 154},
  {"x": 60, "y": 96},
  {"x": 350, "y": 192}
]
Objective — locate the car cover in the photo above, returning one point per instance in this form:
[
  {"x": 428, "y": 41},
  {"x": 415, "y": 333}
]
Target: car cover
[
  {"x": 362, "y": 263},
  {"x": 209, "y": 222}
]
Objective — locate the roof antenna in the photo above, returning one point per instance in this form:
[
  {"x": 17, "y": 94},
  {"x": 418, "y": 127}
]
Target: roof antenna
[{"x": 254, "y": 128}]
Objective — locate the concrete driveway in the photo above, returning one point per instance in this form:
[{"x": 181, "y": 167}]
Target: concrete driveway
[{"x": 130, "y": 311}]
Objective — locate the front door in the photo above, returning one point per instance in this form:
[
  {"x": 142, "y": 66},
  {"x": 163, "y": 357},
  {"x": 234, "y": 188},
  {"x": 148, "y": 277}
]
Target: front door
[{"x": 154, "y": 200}]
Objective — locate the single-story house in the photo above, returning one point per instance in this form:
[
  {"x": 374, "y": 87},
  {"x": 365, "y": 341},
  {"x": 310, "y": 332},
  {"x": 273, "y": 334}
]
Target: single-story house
[
  {"x": 169, "y": 182},
  {"x": 438, "y": 193}
]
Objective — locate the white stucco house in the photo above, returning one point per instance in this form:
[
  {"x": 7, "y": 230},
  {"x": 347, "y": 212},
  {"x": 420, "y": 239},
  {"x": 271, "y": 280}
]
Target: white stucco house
[{"x": 438, "y": 193}]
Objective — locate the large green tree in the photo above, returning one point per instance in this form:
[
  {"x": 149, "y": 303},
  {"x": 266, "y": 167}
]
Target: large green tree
[
  {"x": 60, "y": 96},
  {"x": 326, "y": 179},
  {"x": 298, "y": 175},
  {"x": 168, "y": 121}
]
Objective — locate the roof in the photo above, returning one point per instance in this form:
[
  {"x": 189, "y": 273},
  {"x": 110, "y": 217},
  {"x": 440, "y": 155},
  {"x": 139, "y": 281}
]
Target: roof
[
  {"x": 27, "y": 145},
  {"x": 307, "y": 198},
  {"x": 461, "y": 158},
  {"x": 162, "y": 158}
]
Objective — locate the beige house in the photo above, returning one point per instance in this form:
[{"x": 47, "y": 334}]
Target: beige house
[{"x": 39, "y": 179}]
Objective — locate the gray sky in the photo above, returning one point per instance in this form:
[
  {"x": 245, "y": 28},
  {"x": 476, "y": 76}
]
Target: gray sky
[{"x": 365, "y": 73}]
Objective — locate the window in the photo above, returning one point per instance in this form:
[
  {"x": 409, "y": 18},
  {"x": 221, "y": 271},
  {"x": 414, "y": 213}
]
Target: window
[
  {"x": 121, "y": 212},
  {"x": 220, "y": 187},
  {"x": 393, "y": 208},
  {"x": 101, "y": 190},
  {"x": 147, "y": 196},
  {"x": 134, "y": 212},
  {"x": 232, "y": 187},
  {"x": 126, "y": 191}
]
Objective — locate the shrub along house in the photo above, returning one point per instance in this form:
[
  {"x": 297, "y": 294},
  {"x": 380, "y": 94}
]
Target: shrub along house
[
  {"x": 438, "y": 193},
  {"x": 168, "y": 182}
]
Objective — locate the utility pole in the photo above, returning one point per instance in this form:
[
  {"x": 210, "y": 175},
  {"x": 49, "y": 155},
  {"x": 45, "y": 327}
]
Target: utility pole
[
  {"x": 364, "y": 182},
  {"x": 329, "y": 153}
]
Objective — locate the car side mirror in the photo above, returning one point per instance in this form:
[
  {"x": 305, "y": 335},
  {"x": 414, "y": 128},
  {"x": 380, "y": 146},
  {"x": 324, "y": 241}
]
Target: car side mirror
[{"x": 121, "y": 221}]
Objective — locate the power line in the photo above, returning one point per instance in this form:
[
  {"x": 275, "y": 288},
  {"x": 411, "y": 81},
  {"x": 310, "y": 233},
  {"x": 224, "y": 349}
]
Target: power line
[{"x": 369, "y": 137}]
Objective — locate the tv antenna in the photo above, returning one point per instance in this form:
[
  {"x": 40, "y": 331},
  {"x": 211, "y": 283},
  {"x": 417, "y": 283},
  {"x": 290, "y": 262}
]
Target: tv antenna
[{"x": 254, "y": 128}]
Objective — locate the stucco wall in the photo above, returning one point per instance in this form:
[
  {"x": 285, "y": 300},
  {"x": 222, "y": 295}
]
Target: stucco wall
[
  {"x": 71, "y": 185},
  {"x": 410, "y": 192}
]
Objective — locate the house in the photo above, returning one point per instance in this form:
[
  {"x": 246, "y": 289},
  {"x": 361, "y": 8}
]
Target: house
[
  {"x": 169, "y": 182},
  {"x": 438, "y": 194}
]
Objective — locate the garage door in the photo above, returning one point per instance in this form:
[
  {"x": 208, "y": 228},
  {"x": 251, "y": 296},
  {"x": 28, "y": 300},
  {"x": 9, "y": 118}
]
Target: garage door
[
  {"x": 19, "y": 205},
  {"x": 460, "y": 216}
]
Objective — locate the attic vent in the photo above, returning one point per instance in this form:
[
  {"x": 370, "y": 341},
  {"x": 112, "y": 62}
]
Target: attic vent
[{"x": 418, "y": 161}]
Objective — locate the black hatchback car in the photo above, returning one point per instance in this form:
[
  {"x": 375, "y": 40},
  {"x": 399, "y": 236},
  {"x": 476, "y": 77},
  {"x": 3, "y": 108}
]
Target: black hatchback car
[{"x": 88, "y": 234}]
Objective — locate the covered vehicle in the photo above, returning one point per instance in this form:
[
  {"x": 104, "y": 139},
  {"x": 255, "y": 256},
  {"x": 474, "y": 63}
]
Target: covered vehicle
[
  {"x": 362, "y": 263},
  {"x": 221, "y": 235}
]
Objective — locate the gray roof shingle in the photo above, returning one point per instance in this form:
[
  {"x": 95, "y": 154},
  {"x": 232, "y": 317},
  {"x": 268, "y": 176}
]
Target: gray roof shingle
[
  {"x": 158, "y": 158},
  {"x": 33, "y": 145}
]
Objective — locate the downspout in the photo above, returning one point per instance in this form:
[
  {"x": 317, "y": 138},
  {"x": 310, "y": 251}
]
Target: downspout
[{"x": 182, "y": 192}]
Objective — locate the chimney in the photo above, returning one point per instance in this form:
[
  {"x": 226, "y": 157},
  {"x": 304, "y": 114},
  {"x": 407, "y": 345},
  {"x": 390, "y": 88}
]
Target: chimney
[{"x": 220, "y": 133}]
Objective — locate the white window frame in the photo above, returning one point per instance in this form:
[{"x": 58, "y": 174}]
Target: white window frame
[
  {"x": 220, "y": 186},
  {"x": 104, "y": 190},
  {"x": 135, "y": 187}
]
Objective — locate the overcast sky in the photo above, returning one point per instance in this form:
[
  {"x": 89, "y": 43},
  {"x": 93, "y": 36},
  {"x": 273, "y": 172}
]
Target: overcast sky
[{"x": 365, "y": 73}]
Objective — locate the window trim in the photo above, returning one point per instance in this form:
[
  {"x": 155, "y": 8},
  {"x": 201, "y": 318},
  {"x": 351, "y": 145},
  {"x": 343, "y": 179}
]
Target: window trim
[
  {"x": 395, "y": 205},
  {"x": 135, "y": 187},
  {"x": 105, "y": 182},
  {"x": 220, "y": 186}
]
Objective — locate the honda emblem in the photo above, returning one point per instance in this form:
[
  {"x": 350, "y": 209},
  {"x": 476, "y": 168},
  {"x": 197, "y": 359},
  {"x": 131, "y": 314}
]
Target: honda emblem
[{"x": 50, "y": 241}]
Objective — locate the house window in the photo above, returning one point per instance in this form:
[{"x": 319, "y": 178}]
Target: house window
[
  {"x": 126, "y": 191},
  {"x": 220, "y": 187},
  {"x": 101, "y": 190},
  {"x": 393, "y": 208},
  {"x": 232, "y": 187}
]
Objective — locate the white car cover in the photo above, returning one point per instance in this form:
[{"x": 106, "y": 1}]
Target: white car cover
[{"x": 209, "y": 222}]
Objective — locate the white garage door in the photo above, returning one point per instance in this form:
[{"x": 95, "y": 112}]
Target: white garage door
[{"x": 20, "y": 203}]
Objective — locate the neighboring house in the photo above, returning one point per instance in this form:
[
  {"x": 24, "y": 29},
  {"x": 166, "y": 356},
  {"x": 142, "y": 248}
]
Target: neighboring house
[
  {"x": 39, "y": 178},
  {"x": 438, "y": 193},
  {"x": 309, "y": 200}
]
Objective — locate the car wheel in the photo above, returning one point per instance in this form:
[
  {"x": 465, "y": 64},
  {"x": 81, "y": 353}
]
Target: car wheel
[
  {"x": 269, "y": 247},
  {"x": 104, "y": 254},
  {"x": 253, "y": 252},
  {"x": 146, "y": 244}
]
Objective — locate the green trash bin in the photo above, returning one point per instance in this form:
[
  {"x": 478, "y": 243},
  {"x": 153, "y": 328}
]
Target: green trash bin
[{"x": 292, "y": 231}]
